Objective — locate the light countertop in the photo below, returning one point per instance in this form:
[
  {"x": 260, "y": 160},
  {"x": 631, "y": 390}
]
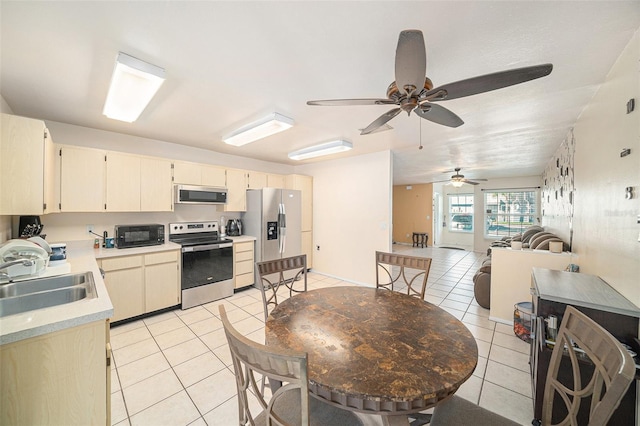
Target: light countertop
[
  {"x": 47, "y": 320},
  {"x": 81, "y": 257},
  {"x": 242, "y": 238}
]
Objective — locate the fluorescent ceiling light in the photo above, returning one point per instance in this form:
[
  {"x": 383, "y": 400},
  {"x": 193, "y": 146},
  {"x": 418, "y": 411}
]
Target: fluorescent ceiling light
[
  {"x": 322, "y": 149},
  {"x": 133, "y": 85},
  {"x": 457, "y": 183},
  {"x": 269, "y": 125}
]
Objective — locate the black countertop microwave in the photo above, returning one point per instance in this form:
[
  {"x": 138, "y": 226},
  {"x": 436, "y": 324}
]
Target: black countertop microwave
[{"x": 139, "y": 235}]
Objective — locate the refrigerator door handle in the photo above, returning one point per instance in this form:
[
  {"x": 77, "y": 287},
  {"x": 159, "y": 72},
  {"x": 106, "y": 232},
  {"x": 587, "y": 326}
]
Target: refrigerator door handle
[{"x": 282, "y": 224}]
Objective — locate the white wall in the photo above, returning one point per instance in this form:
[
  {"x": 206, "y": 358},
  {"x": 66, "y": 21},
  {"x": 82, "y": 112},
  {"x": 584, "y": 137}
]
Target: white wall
[
  {"x": 606, "y": 228},
  {"x": 352, "y": 209}
]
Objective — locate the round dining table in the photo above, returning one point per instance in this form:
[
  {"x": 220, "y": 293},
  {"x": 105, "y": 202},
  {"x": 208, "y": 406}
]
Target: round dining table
[{"x": 374, "y": 350}]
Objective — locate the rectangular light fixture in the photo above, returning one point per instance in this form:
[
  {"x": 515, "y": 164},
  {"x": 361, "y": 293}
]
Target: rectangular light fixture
[
  {"x": 327, "y": 148},
  {"x": 133, "y": 85},
  {"x": 267, "y": 126}
]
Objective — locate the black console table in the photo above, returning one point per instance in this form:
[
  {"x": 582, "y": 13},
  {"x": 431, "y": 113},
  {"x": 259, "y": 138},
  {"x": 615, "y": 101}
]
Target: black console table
[{"x": 552, "y": 291}]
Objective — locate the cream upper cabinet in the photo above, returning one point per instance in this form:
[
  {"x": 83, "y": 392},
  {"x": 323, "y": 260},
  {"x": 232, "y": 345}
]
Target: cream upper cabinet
[
  {"x": 304, "y": 184},
  {"x": 256, "y": 180},
  {"x": 155, "y": 185},
  {"x": 122, "y": 182},
  {"x": 275, "y": 181},
  {"x": 198, "y": 174},
  {"x": 213, "y": 176},
  {"x": 82, "y": 179},
  {"x": 237, "y": 191},
  {"x": 27, "y": 167},
  {"x": 187, "y": 173}
]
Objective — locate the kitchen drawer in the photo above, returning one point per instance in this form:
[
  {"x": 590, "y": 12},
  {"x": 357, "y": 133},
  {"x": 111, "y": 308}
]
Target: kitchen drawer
[
  {"x": 245, "y": 246},
  {"x": 161, "y": 257},
  {"x": 245, "y": 267},
  {"x": 244, "y": 255},
  {"x": 244, "y": 280},
  {"x": 124, "y": 262}
]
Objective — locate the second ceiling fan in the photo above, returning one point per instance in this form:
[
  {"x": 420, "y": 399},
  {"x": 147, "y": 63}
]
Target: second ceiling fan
[
  {"x": 412, "y": 91},
  {"x": 458, "y": 179}
]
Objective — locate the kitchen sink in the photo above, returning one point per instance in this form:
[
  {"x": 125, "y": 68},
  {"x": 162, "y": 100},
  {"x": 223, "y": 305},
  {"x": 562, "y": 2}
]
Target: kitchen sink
[
  {"x": 23, "y": 296},
  {"x": 43, "y": 284}
]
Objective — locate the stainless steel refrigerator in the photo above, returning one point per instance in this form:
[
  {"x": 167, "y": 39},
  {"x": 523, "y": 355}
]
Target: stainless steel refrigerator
[{"x": 274, "y": 217}]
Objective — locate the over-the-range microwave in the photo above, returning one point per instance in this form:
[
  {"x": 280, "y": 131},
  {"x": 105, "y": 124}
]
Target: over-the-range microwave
[{"x": 192, "y": 194}]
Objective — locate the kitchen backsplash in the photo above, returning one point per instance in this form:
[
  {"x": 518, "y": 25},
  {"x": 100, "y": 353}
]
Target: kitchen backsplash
[{"x": 63, "y": 227}]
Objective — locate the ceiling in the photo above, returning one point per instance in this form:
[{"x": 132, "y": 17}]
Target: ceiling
[{"x": 230, "y": 63}]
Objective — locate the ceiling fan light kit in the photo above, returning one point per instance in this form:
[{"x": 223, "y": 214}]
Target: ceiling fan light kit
[
  {"x": 133, "y": 84},
  {"x": 413, "y": 92},
  {"x": 326, "y": 148},
  {"x": 267, "y": 126},
  {"x": 458, "y": 179}
]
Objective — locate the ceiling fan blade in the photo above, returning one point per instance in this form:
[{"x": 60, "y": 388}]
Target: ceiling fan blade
[
  {"x": 381, "y": 121},
  {"x": 346, "y": 102},
  {"x": 470, "y": 182},
  {"x": 486, "y": 83},
  {"x": 411, "y": 61},
  {"x": 438, "y": 114}
]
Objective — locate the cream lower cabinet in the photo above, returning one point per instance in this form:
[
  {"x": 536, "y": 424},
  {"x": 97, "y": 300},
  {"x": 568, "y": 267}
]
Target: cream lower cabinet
[
  {"x": 243, "y": 266},
  {"x": 59, "y": 378},
  {"x": 161, "y": 280},
  {"x": 124, "y": 279},
  {"x": 140, "y": 284}
]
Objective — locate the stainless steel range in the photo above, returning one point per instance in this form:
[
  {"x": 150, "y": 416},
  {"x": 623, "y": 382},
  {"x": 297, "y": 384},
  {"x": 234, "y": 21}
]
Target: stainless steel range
[{"x": 207, "y": 262}]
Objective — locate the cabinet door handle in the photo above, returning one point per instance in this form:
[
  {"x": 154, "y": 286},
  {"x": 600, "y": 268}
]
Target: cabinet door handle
[{"x": 109, "y": 354}]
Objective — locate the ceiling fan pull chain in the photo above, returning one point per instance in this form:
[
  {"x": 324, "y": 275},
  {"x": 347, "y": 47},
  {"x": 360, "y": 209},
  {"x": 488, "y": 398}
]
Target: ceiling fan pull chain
[{"x": 420, "y": 124}]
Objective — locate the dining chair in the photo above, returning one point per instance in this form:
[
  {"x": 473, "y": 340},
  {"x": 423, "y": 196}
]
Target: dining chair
[
  {"x": 396, "y": 271},
  {"x": 578, "y": 336},
  {"x": 287, "y": 275},
  {"x": 288, "y": 405}
]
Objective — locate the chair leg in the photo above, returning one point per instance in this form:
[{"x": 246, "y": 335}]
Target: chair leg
[{"x": 419, "y": 419}]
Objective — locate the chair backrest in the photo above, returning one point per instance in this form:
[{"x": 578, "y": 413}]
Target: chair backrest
[
  {"x": 281, "y": 278},
  {"x": 397, "y": 271},
  {"x": 614, "y": 370},
  {"x": 251, "y": 359}
]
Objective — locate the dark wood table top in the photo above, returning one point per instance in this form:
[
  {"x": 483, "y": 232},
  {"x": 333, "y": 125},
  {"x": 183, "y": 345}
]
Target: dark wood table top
[{"x": 375, "y": 350}]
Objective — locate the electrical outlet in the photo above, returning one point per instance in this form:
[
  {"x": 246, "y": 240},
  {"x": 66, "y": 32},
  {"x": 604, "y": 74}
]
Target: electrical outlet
[
  {"x": 89, "y": 229},
  {"x": 318, "y": 248}
]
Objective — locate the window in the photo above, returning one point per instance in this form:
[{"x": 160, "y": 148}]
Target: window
[
  {"x": 509, "y": 213},
  {"x": 461, "y": 212}
]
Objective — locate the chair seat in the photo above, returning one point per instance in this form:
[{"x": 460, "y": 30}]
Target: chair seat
[
  {"x": 458, "y": 411},
  {"x": 320, "y": 413}
]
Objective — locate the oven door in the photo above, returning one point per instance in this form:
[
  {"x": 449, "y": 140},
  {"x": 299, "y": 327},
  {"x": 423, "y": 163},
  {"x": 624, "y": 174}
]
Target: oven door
[{"x": 206, "y": 264}]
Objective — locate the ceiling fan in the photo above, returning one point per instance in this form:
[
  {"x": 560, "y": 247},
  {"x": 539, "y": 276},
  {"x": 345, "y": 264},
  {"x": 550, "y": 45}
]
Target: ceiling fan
[
  {"x": 458, "y": 180},
  {"x": 412, "y": 91}
]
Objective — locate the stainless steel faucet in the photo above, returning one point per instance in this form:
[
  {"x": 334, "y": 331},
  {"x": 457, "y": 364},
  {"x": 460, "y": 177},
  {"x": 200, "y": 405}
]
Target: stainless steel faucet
[{"x": 24, "y": 262}]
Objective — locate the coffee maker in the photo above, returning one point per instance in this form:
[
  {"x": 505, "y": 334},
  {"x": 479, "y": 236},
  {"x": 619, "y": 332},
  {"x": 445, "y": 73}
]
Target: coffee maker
[
  {"x": 30, "y": 226},
  {"x": 234, "y": 227}
]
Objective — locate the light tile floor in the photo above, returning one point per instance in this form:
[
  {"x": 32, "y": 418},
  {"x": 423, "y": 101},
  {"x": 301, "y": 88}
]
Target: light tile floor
[{"x": 175, "y": 368}]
